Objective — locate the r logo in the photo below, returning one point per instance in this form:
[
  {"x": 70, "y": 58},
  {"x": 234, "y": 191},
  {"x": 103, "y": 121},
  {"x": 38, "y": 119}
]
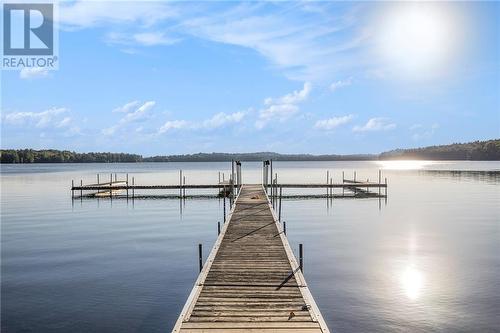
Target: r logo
[{"x": 28, "y": 29}]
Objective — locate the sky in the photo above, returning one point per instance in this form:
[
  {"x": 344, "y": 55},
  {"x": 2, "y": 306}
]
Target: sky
[{"x": 292, "y": 77}]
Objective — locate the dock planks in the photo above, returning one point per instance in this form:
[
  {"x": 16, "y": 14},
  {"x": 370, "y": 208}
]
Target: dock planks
[{"x": 251, "y": 281}]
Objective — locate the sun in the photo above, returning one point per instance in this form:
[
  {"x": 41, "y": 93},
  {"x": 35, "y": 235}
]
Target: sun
[{"x": 417, "y": 38}]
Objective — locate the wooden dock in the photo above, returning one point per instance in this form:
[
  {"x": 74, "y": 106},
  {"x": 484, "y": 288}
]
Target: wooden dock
[{"x": 251, "y": 281}]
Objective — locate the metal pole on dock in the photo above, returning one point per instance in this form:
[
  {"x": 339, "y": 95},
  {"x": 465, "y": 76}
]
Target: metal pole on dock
[
  {"x": 218, "y": 227},
  {"x": 180, "y": 184},
  {"x": 301, "y": 257},
  {"x": 271, "y": 176},
  {"x": 280, "y": 205},
  {"x": 184, "y": 187},
  {"x": 81, "y": 188},
  {"x": 127, "y": 186},
  {"x": 224, "y": 205},
  {"x": 200, "y": 256},
  {"x": 343, "y": 178},
  {"x": 379, "y": 180},
  {"x": 219, "y": 177},
  {"x": 232, "y": 179},
  {"x": 284, "y": 227},
  {"x": 133, "y": 188},
  {"x": 354, "y": 175},
  {"x": 327, "y": 179},
  {"x": 331, "y": 187},
  {"x": 116, "y": 178},
  {"x": 110, "y": 184},
  {"x": 72, "y": 189}
]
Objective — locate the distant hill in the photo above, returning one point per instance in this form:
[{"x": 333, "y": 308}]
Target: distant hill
[{"x": 478, "y": 150}]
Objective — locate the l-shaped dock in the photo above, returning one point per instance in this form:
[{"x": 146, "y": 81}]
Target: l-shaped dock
[{"x": 251, "y": 281}]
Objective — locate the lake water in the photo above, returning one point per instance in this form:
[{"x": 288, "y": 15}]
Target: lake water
[{"x": 425, "y": 261}]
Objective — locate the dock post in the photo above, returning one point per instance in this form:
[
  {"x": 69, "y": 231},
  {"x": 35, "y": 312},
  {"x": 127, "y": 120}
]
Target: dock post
[
  {"x": 81, "y": 188},
  {"x": 116, "y": 178},
  {"x": 331, "y": 187},
  {"x": 301, "y": 258},
  {"x": 327, "y": 179},
  {"x": 284, "y": 227},
  {"x": 72, "y": 189},
  {"x": 219, "y": 177},
  {"x": 224, "y": 198},
  {"x": 232, "y": 179},
  {"x": 184, "y": 187},
  {"x": 98, "y": 183},
  {"x": 200, "y": 256},
  {"x": 280, "y": 205},
  {"x": 133, "y": 188},
  {"x": 271, "y": 176},
  {"x": 386, "y": 187},
  {"x": 218, "y": 227},
  {"x": 379, "y": 180},
  {"x": 343, "y": 178},
  {"x": 127, "y": 186},
  {"x": 110, "y": 184},
  {"x": 180, "y": 184}
]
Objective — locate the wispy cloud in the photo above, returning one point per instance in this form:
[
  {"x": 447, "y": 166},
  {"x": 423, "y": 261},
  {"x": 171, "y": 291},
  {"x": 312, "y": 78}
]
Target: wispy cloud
[
  {"x": 33, "y": 73},
  {"x": 127, "y": 107},
  {"x": 332, "y": 123},
  {"x": 47, "y": 118},
  {"x": 307, "y": 45},
  {"x": 133, "y": 114},
  {"x": 283, "y": 107},
  {"x": 421, "y": 132},
  {"x": 218, "y": 120},
  {"x": 173, "y": 124},
  {"x": 86, "y": 14},
  {"x": 340, "y": 84},
  {"x": 375, "y": 124},
  {"x": 143, "y": 38}
]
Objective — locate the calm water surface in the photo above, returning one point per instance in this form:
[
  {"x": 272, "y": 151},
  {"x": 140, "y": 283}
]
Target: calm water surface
[{"x": 425, "y": 261}]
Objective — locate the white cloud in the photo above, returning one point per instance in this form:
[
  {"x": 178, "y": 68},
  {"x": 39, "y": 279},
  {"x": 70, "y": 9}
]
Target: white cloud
[
  {"x": 86, "y": 14},
  {"x": 127, "y": 107},
  {"x": 131, "y": 115},
  {"x": 340, "y": 84},
  {"x": 421, "y": 132},
  {"x": 33, "y": 73},
  {"x": 292, "y": 98},
  {"x": 332, "y": 123},
  {"x": 283, "y": 107},
  {"x": 375, "y": 124},
  {"x": 173, "y": 124},
  {"x": 216, "y": 121},
  {"x": 221, "y": 119},
  {"x": 64, "y": 123},
  {"x": 306, "y": 45},
  {"x": 42, "y": 119},
  {"x": 143, "y": 38}
]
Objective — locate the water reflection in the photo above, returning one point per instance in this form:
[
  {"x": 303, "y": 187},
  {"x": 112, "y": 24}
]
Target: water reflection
[
  {"x": 412, "y": 282},
  {"x": 404, "y": 165}
]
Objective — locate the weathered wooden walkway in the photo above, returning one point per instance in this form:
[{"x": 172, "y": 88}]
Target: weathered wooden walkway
[{"x": 251, "y": 281}]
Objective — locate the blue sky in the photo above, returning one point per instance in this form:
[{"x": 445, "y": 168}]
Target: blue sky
[{"x": 291, "y": 77}]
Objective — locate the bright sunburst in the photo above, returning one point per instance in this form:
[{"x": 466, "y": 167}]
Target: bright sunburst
[{"x": 417, "y": 39}]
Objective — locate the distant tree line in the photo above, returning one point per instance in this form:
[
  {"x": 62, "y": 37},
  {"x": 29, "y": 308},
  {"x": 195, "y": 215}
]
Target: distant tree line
[
  {"x": 63, "y": 156},
  {"x": 478, "y": 150}
]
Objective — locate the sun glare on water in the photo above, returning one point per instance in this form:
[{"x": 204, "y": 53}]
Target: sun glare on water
[
  {"x": 412, "y": 282},
  {"x": 404, "y": 165}
]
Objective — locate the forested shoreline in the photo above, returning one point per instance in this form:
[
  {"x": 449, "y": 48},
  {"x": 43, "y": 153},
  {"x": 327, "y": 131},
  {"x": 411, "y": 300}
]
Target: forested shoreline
[{"x": 477, "y": 150}]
